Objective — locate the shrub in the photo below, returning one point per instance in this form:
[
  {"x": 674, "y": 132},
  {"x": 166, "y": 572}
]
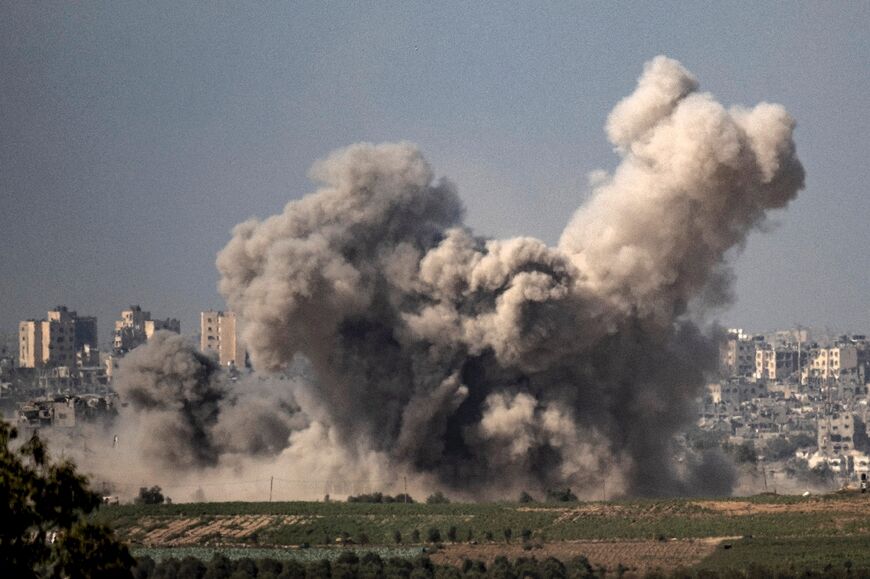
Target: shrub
[
  {"x": 152, "y": 496},
  {"x": 561, "y": 495},
  {"x": 437, "y": 498},
  {"x": 451, "y": 534}
]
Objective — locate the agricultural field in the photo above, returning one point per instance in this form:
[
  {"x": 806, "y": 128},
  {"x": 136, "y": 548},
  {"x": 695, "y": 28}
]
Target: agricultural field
[{"x": 640, "y": 535}]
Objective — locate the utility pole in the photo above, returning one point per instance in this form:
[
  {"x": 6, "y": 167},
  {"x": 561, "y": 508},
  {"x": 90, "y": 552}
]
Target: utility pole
[
  {"x": 271, "y": 480},
  {"x": 405, "y": 478}
]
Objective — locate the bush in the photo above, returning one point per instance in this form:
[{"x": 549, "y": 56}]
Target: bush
[
  {"x": 380, "y": 498},
  {"x": 561, "y": 495},
  {"x": 437, "y": 498},
  {"x": 451, "y": 534},
  {"x": 526, "y": 497},
  {"x": 152, "y": 496},
  {"x": 433, "y": 535}
]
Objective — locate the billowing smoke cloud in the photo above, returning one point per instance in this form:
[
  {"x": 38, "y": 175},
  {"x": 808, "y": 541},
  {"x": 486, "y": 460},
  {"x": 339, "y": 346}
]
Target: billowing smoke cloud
[
  {"x": 188, "y": 414},
  {"x": 480, "y": 366},
  {"x": 492, "y": 365}
]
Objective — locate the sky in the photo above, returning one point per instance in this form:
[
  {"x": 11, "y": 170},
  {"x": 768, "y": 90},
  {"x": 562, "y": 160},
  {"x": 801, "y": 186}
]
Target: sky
[{"x": 134, "y": 135}]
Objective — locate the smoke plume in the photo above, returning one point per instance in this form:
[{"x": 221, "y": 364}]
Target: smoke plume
[
  {"x": 476, "y": 366},
  {"x": 188, "y": 414},
  {"x": 491, "y": 365}
]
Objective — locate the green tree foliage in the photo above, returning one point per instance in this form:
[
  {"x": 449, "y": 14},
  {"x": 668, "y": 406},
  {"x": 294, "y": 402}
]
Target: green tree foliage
[
  {"x": 380, "y": 498},
  {"x": 43, "y": 531},
  {"x": 561, "y": 495}
]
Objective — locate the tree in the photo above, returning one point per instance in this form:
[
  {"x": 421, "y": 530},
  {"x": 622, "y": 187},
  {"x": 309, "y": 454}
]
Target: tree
[
  {"x": 561, "y": 495},
  {"x": 526, "y": 497},
  {"x": 433, "y": 535},
  {"x": 436, "y": 499},
  {"x": 451, "y": 534},
  {"x": 152, "y": 496},
  {"x": 43, "y": 507}
]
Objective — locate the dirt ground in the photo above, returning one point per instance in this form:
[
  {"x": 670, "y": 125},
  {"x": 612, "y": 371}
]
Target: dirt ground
[
  {"x": 637, "y": 556},
  {"x": 191, "y": 531},
  {"x": 746, "y": 508}
]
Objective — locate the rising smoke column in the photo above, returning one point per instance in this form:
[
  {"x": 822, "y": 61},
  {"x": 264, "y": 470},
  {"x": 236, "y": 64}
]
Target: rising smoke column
[
  {"x": 188, "y": 415},
  {"x": 493, "y": 365}
]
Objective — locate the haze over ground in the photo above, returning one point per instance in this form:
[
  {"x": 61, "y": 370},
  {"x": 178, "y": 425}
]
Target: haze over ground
[{"x": 133, "y": 137}]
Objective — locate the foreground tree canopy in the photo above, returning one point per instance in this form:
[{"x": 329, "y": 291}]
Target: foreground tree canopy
[{"x": 43, "y": 505}]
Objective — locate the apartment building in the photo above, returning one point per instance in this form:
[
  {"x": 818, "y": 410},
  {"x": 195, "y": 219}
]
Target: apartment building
[
  {"x": 219, "y": 333},
  {"x": 57, "y": 340},
  {"x": 135, "y": 328}
]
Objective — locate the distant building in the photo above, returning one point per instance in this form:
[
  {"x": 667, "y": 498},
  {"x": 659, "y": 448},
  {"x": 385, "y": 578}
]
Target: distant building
[
  {"x": 219, "y": 334},
  {"x": 136, "y": 326},
  {"x": 832, "y": 363},
  {"x": 735, "y": 391},
  {"x": 56, "y": 340},
  {"x": 775, "y": 363},
  {"x": 737, "y": 354},
  {"x": 835, "y": 433}
]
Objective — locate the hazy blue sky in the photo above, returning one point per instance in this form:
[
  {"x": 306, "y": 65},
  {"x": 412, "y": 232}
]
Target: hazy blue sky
[{"x": 134, "y": 135}]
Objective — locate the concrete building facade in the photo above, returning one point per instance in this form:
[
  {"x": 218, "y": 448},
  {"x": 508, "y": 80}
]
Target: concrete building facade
[
  {"x": 135, "y": 328},
  {"x": 737, "y": 355},
  {"x": 775, "y": 363},
  {"x": 831, "y": 363},
  {"x": 57, "y": 340},
  {"x": 219, "y": 333}
]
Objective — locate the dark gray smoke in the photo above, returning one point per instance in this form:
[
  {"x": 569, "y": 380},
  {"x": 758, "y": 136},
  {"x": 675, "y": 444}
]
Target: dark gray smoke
[
  {"x": 189, "y": 414},
  {"x": 492, "y": 365}
]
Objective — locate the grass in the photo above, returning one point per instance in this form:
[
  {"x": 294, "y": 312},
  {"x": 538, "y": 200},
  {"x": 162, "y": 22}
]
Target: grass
[
  {"x": 820, "y": 533},
  {"x": 301, "y": 555},
  {"x": 635, "y": 519},
  {"x": 797, "y": 553}
]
